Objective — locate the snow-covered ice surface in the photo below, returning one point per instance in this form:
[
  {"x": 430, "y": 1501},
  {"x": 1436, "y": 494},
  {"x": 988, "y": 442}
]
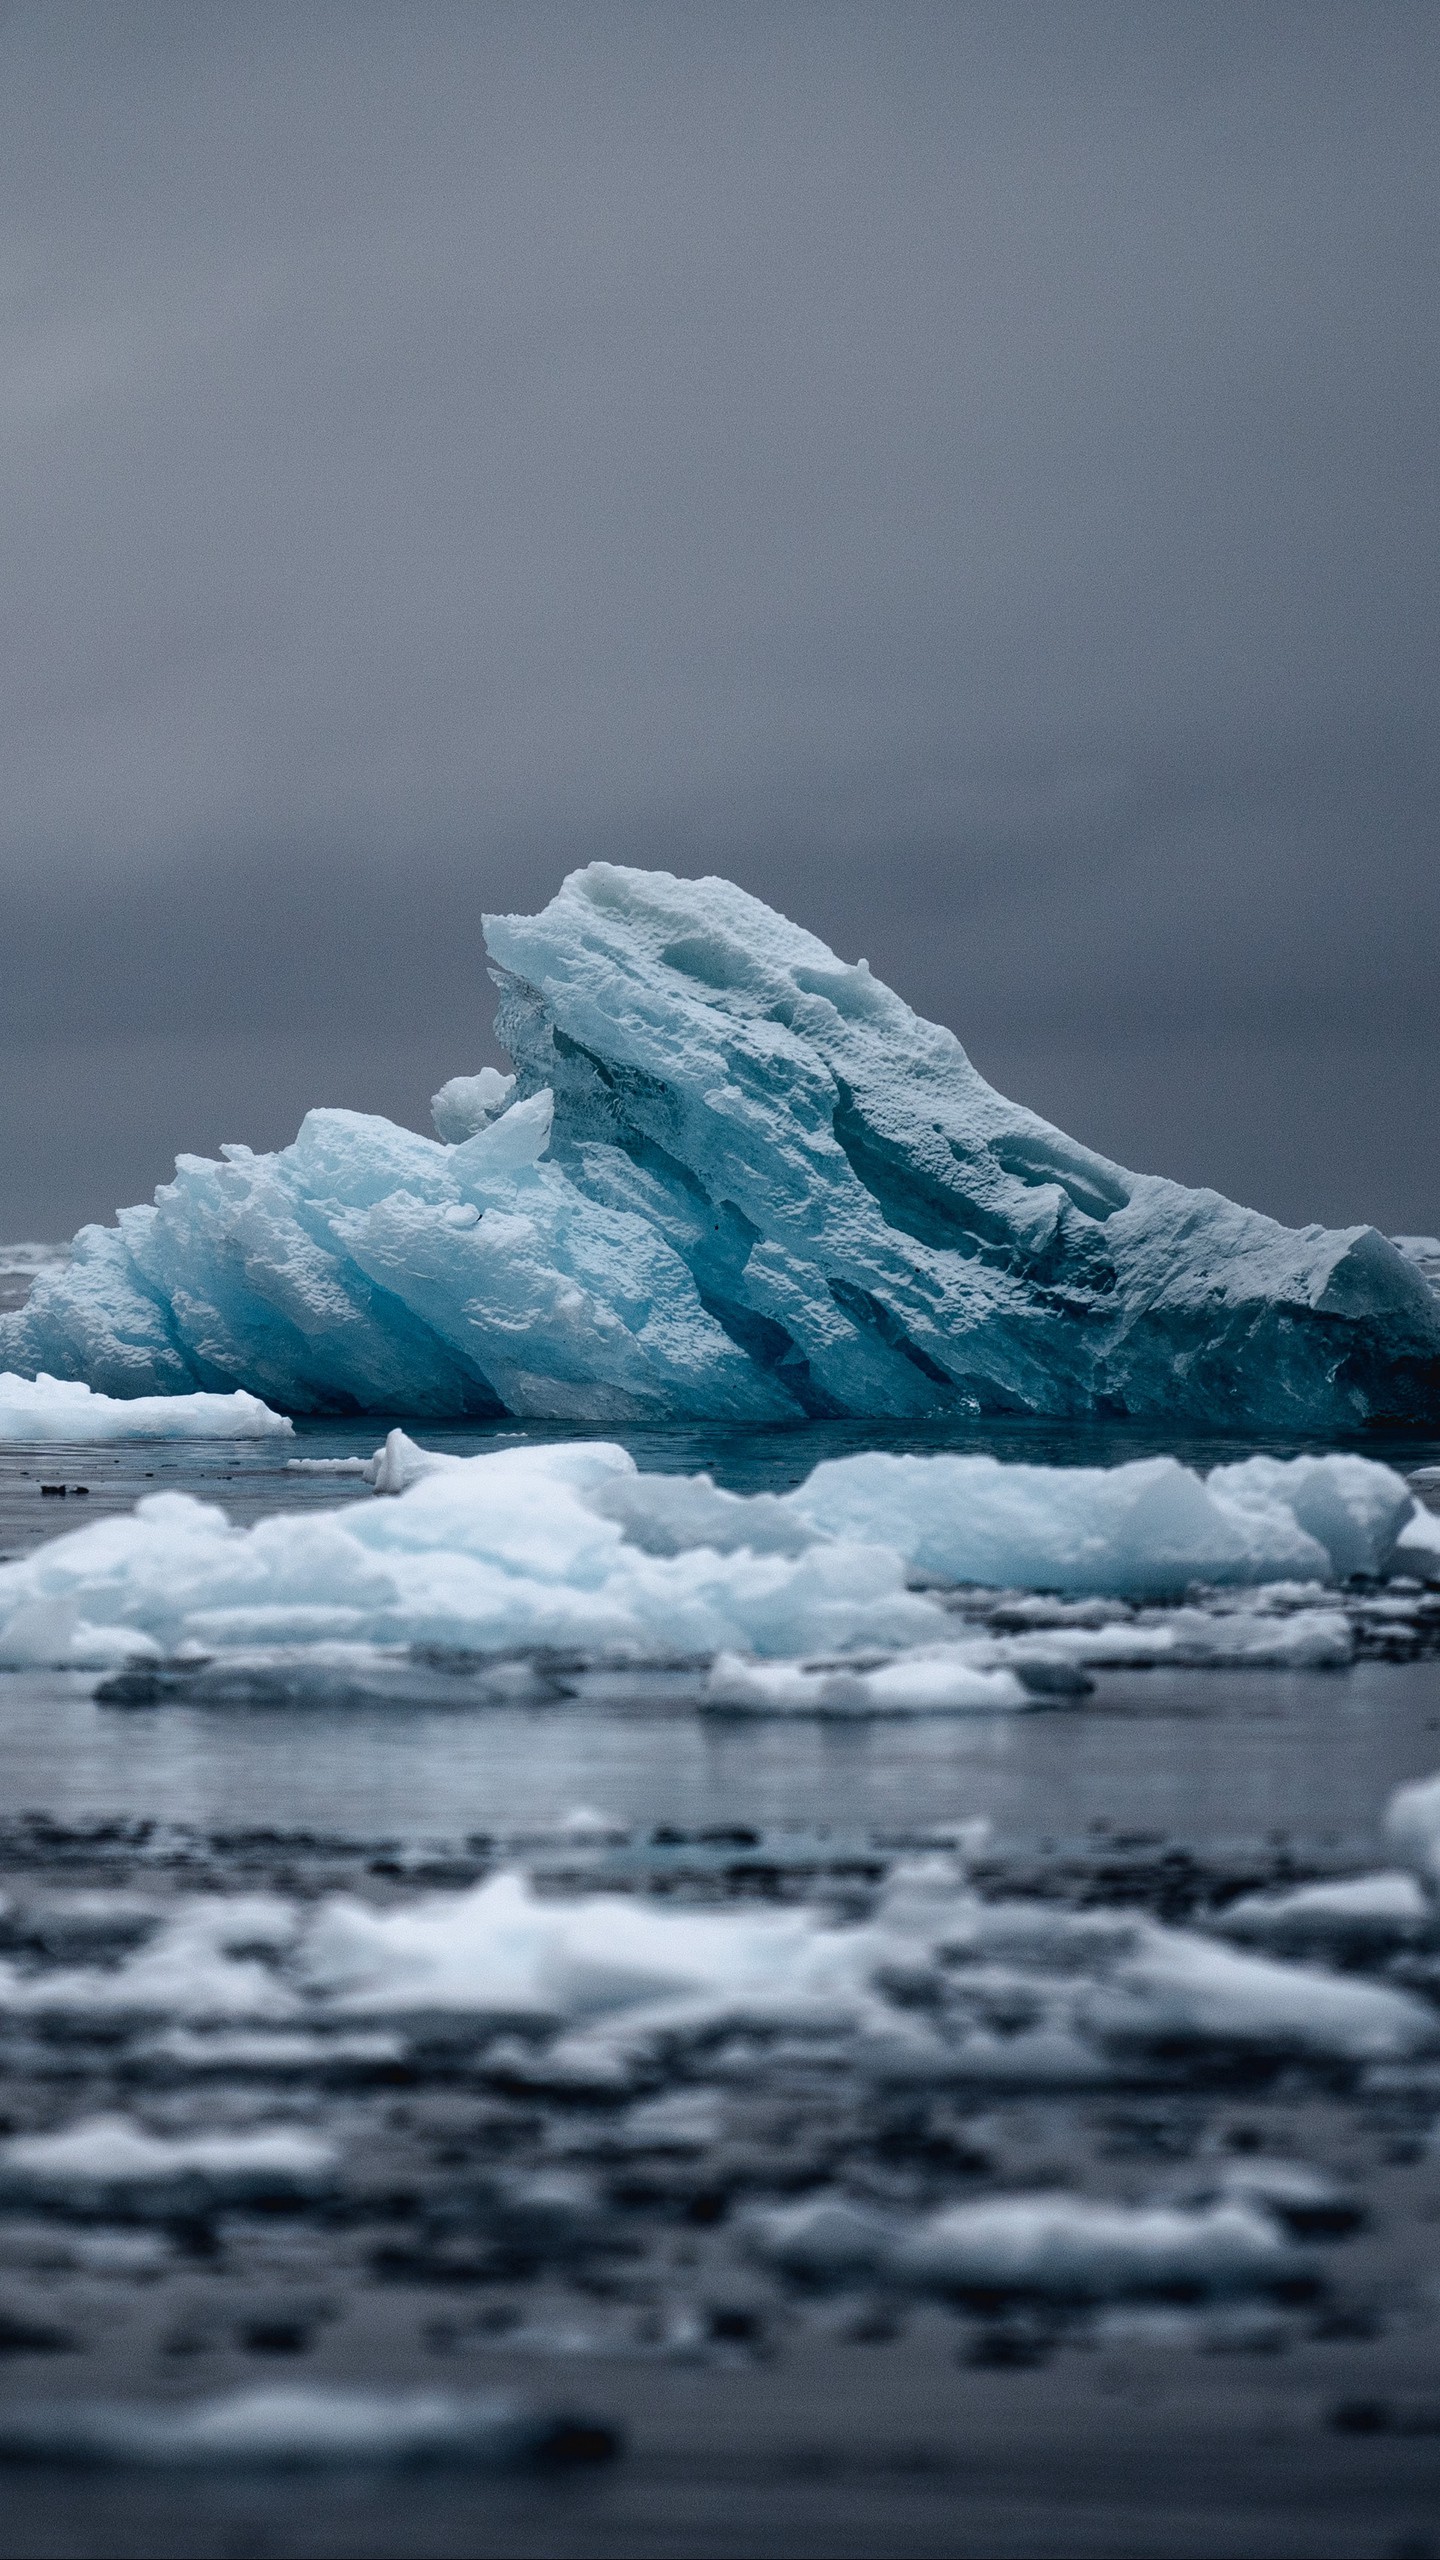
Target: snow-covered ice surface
[{"x": 735, "y": 1177}]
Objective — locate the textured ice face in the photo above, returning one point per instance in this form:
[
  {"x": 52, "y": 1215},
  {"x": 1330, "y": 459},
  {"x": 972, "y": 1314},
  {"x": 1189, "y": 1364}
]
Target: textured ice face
[{"x": 738, "y": 1178}]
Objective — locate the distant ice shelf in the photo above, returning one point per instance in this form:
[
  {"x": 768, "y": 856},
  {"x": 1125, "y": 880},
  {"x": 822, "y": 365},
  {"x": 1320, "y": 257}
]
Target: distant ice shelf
[{"x": 732, "y": 1177}]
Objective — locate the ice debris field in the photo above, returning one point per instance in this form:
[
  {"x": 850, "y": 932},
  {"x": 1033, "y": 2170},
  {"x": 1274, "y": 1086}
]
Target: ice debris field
[
  {"x": 870, "y": 1588},
  {"x": 734, "y": 1177},
  {"x": 635, "y": 2119}
]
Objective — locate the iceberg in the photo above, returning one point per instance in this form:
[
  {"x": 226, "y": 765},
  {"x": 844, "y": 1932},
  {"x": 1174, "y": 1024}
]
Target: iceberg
[{"x": 734, "y": 1177}]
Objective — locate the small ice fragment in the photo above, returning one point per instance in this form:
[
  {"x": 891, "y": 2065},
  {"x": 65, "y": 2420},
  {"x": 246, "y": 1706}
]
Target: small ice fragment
[
  {"x": 586, "y": 1828},
  {"x": 1073, "y": 2248},
  {"x": 1361, "y": 1911},
  {"x": 1417, "y": 1549},
  {"x": 1412, "y": 1826},
  {"x": 110, "y": 2152},
  {"x": 1056, "y": 2246},
  {"x": 300, "y": 2427},
  {"x": 929, "y": 1682}
]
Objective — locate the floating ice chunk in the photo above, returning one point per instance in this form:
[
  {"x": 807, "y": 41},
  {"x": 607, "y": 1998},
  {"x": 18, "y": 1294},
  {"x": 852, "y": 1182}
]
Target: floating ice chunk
[
  {"x": 921, "y": 1683},
  {"x": 826, "y": 2240},
  {"x": 1176, "y": 1987},
  {"x": 1058, "y": 2247},
  {"x": 1192, "y": 1638},
  {"x": 1417, "y": 1549},
  {"x": 498, "y": 1950},
  {"x": 109, "y": 2153},
  {"x": 202, "y": 1962},
  {"x": 500, "y": 1553},
  {"x": 1360, "y": 1913},
  {"x": 769, "y": 1189},
  {"x": 585, "y": 1828},
  {"x": 568, "y": 1546},
  {"x": 1078, "y": 2249},
  {"x": 230, "y": 2050},
  {"x": 296, "y": 2427},
  {"x": 63, "y": 1409},
  {"x": 467, "y": 1104},
  {"x": 1149, "y": 1528},
  {"x": 1303, "y": 2200},
  {"x": 1412, "y": 1827},
  {"x": 1353, "y": 1508}
]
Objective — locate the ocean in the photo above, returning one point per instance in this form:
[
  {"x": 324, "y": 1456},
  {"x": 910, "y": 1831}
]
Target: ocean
[{"x": 921, "y": 2133}]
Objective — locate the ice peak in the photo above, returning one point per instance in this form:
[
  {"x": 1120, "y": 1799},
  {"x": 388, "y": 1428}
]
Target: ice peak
[{"x": 733, "y": 1175}]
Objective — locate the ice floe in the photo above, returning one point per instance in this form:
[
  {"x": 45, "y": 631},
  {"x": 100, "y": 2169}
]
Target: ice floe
[
  {"x": 898, "y": 2083},
  {"x": 1059, "y": 2247},
  {"x": 735, "y": 1176},
  {"x": 110, "y": 2156},
  {"x": 65, "y": 1409},
  {"x": 1412, "y": 1827},
  {"x": 299, "y": 2427},
  {"x": 938, "y": 1985},
  {"x": 568, "y": 1549},
  {"x": 1341, "y": 1915}
]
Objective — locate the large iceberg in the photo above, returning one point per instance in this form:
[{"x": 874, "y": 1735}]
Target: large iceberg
[{"x": 733, "y": 1177}]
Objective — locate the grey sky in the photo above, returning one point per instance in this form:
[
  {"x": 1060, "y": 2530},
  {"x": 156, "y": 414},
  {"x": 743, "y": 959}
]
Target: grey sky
[{"x": 969, "y": 474}]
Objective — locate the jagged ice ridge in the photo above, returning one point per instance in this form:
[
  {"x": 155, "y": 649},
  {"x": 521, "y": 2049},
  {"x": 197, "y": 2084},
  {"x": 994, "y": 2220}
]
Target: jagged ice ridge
[{"x": 733, "y": 1177}]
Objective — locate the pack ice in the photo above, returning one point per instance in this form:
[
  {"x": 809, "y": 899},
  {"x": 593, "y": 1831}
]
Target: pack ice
[
  {"x": 569, "y": 1547},
  {"x": 734, "y": 1177}
]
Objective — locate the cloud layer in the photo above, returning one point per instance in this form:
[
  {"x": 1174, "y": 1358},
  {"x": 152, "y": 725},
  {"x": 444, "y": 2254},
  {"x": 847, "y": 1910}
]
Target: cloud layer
[{"x": 965, "y": 473}]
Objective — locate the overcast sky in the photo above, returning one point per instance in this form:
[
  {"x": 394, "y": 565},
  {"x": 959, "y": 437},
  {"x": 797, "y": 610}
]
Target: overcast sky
[{"x": 969, "y": 474}]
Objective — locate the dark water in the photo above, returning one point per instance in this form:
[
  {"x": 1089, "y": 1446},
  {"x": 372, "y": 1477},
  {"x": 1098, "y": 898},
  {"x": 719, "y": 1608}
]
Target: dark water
[{"x": 491, "y": 2223}]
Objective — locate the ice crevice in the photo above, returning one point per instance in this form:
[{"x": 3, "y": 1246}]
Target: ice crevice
[{"x": 734, "y": 1177}]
